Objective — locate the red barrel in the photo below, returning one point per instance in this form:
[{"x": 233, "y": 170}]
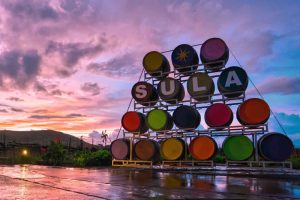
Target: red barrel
[
  {"x": 134, "y": 122},
  {"x": 144, "y": 93},
  {"x": 253, "y": 112},
  {"x": 218, "y": 115},
  {"x": 120, "y": 149},
  {"x": 214, "y": 54}
]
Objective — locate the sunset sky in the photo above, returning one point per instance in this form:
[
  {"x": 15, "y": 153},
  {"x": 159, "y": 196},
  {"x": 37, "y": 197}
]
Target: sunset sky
[{"x": 69, "y": 65}]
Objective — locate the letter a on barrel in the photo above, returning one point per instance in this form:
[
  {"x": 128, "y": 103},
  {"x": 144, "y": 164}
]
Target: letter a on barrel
[
  {"x": 170, "y": 90},
  {"x": 144, "y": 93},
  {"x": 233, "y": 81},
  {"x": 185, "y": 59}
]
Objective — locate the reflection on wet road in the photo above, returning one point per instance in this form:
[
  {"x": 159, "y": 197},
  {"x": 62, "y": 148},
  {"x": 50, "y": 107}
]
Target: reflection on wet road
[{"x": 40, "y": 182}]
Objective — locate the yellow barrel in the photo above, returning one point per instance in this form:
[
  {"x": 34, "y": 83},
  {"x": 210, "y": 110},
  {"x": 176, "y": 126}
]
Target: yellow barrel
[
  {"x": 172, "y": 148},
  {"x": 156, "y": 64}
]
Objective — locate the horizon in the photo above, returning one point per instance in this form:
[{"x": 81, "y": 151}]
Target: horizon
[{"x": 69, "y": 66}]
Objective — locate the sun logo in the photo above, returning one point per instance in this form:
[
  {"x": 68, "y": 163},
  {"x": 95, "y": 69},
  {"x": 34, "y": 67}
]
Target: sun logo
[{"x": 182, "y": 55}]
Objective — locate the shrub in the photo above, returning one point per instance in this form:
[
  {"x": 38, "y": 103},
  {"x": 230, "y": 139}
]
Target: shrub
[{"x": 55, "y": 154}]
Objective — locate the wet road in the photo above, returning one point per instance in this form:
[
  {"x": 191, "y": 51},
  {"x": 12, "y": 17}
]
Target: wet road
[{"x": 40, "y": 182}]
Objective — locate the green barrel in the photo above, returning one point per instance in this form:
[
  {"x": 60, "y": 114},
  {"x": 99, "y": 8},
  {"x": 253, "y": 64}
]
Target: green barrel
[
  {"x": 200, "y": 86},
  {"x": 170, "y": 90},
  {"x": 159, "y": 120},
  {"x": 233, "y": 81},
  {"x": 156, "y": 64},
  {"x": 237, "y": 148}
]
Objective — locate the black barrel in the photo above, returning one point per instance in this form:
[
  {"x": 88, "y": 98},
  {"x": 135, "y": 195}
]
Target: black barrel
[
  {"x": 200, "y": 86},
  {"x": 185, "y": 59},
  {"x": 186, "y": 117},
  {"x": 233, "y": 81},
  {"x": 275, "y": 147},
  {"x": 120, "y": 149},
  {"x": 214, "y": 54},
  {"x": 156, "y": 64},
  {"x": 144, "y": 93},
  {"x": 134, "y": 122},
  {"x": 170, "y": 90}
]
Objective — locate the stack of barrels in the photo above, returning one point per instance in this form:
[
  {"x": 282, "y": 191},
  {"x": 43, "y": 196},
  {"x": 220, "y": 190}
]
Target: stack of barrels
[{"x": 232, "y": 83}]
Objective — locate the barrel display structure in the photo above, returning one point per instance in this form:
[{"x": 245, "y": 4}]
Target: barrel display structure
[
  {"x": 147, "y": 149},
  {"x": 186, "y": 117},
  {"x": 214, "y": 54},
  {"x": 218, "y": 115},
  {"x": 170, "y": 90},
  {"x": 172, "y": 148},
  {"x": 144, "y": 93},
  {"x": 275, "y": 147},
  {"x": 159, "y": 120},
  {"x": 134, "y": 122},
  {"x": 156, "y": 64},
  {"x": 237, "y": 148},
  {"x": 233, "y": 82},
  {"x": 185, "y": 59},
  {"x": 253, "y": 111},
  {"x": 120, "y": 149},
  {"x": 200, "y": 86},
  {"x": 203, "y": 148}
]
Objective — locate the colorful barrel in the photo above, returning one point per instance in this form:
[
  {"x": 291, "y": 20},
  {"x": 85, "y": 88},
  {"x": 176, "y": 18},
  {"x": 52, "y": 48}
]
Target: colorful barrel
[
  {"x": 200, "y": 86},
  {"x": 156, "y": 64},
  {"x": 237, "y": 148},
  {"x": 233, "y": 81},
  {"x": 275, "y": 147},
  {"x": 120, "y": 149},
  {"x": 214, "y": 54},
  {"x": 172, "y": 148},
  {"x": 185, "y": 59},
  {"x": 203, "y": 148},
  {"x": 134, "y": 122},
  {"x": 253, "y": 112},
  {"x": 218, "y": 115},
  {"x": 147, "y": 149},
  {"x": 144, "y": 93},
  {"x": 170, "y": 90},
  {"x": 186, "y": 117},
  {"x": 159, "y": 120}
]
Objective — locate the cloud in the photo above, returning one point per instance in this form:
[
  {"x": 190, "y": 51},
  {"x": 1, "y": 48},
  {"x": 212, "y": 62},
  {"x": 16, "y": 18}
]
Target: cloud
[
  {"x": 72, "y": 115},
  {"x": 19, "y": 69},
  {"x": 280, "y": 85},
  {"x": 95, "y": 134},
  {"x": 16, "y": 99},
  {"x": 17, "y": 110},
  {"x": 3, "y": 110},
  {"x": 91, "y": 88}
]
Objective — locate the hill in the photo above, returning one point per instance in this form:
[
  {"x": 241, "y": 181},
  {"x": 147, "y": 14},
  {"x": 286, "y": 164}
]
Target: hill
[{"x": 41, "y": 137}]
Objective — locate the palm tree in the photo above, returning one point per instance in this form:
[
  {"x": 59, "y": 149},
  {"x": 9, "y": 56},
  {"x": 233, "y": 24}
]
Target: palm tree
[{"x": 104, "y": 137}]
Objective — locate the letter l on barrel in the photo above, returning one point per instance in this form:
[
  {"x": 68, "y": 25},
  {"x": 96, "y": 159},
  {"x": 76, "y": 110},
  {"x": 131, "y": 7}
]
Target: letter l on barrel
[{"x": 196, "y": 86}]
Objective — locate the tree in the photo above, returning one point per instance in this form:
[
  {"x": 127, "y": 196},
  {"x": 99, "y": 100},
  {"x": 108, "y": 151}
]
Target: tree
[
  {"x": 55, "y": 154},
  {"x": 104, "y": 137}
]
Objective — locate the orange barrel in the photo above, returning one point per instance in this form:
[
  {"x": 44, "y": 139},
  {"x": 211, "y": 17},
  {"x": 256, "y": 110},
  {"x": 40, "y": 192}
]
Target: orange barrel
[
  {"x": 186, "y": 117},
  {"x": 147, "y": 149},
  {"x": 120, "y": 149},
  {"x": 275, "y": 147},
  {"x": 144, "y": 93},
  {"x": 237, "y": 147},
  {"x": 156, "y": 64},
  {"x": 218, "y": 115},
  {"x": 214, "y": 51},
  {"x": 253, "y": 112},
  {"x": 159, "y": 120},
  {"x": 170, "y": 90},
  {"x": 200, "y": 86},
  {"x": 185, "y": 59},
  {"x": 172, "y": 148},
  {"x": 233, "y": 81},
  {"x": 203, "y": 147},
  {"x": 134, "y": 122}
]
